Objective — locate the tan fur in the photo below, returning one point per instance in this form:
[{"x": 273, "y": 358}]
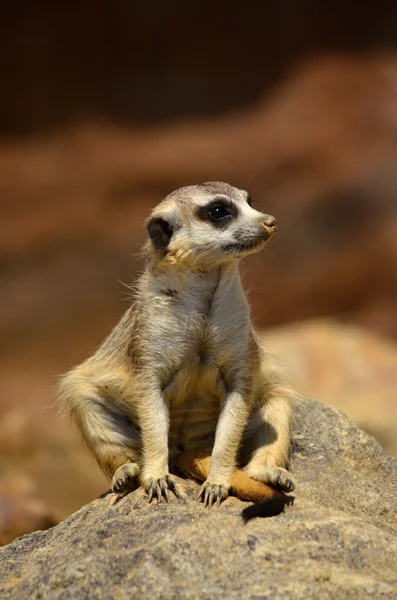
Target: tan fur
[{"x": 183, "y": 373}]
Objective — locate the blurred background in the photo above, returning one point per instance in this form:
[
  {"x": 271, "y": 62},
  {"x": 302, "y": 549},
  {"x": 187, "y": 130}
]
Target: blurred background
[{"x": 107, "y": 107}]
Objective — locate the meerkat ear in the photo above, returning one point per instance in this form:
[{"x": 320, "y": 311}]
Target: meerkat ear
[{"x": 160, "y": 232}]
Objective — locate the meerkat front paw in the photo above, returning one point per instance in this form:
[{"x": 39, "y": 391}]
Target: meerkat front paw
[
  {"x": 159, "y": 488},
  {"x": 125, "y": 479},
  {"x": 212, "y": 494}
]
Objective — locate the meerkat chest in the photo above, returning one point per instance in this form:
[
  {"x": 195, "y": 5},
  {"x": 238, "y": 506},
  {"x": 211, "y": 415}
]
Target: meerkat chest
[
  {"x": 196, "y": 333},
  {"x": 197, "y": 326}
]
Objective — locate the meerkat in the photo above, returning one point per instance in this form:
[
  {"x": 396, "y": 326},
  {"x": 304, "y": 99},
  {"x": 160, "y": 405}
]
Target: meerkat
[{"x": 183, "y": 381}]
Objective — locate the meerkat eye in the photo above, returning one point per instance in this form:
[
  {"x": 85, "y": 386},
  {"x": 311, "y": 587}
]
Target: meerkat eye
[{"x": 218, "y": 212}]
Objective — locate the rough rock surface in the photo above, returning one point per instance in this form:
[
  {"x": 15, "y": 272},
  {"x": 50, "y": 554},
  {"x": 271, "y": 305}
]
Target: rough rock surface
[{"x": 338, "y": 539}]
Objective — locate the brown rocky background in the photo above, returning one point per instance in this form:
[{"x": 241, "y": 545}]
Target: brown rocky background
[{"x": 107, "y": 107}]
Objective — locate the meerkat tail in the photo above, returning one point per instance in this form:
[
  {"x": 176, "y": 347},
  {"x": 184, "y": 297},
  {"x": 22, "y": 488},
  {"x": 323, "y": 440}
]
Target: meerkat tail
[
  {"x": 244, "y": 487},
  {"x": 250, "y": 490},
  {"x": 196, "y": 466}
]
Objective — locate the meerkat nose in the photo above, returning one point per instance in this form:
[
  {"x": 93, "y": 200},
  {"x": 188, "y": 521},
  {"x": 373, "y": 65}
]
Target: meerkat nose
[{"x": 270, "y": 224}]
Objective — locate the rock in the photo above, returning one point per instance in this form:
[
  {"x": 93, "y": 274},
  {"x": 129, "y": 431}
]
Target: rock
[
  {"x": 338, "y": 539},
  {"x": 350, "y": 368}
]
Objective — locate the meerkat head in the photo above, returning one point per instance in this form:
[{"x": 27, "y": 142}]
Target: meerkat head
[{"x": 206, "y": 225}]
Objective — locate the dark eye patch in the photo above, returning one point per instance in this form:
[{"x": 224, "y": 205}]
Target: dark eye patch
[{"x": 219, "y": 212}]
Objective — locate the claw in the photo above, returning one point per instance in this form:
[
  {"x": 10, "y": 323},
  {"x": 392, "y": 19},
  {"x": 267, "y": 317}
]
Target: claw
[
  {"x": 212, "y": 495},
  {"x": 199, "y": 496},
  {"x": 150, "y": 493},
  {"x": 159, "y": 488},
  {"x": 164, "y": 490},
  {"x": 173, "y": 487},
  {"x": 158, "y": 492}
]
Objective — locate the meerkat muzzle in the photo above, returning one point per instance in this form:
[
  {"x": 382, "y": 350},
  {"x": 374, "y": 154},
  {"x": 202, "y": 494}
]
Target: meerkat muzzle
[{"x": 269, "y": 224}]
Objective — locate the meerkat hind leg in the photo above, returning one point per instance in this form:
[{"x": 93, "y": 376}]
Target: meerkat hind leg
[
  {"x": 278, "y": 477},
  {"x": 268, "y": 447},
  {"x": 109, "y": 433},
  {"x": 126, "y": 478}
]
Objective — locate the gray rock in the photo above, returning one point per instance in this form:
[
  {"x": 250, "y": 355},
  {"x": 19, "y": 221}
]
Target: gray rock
[{"x": 338, "y": 539}]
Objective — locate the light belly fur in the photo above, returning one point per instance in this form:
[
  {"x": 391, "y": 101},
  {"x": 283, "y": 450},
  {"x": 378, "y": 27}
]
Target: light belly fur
[{"x": 194, "y": 398}]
